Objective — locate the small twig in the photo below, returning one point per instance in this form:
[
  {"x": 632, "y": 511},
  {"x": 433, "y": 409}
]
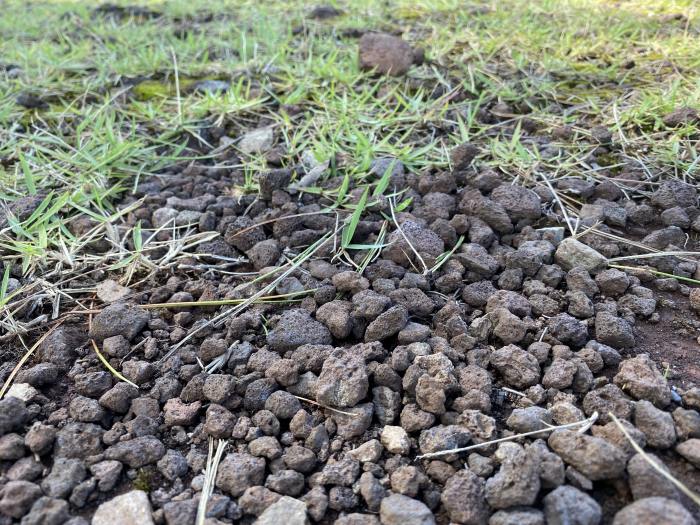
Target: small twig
[
  {"x": 270, "y": 221},
  {"x": 218, "y": 361},
  {"x": 426, "y": 270},
  {"x": 561, "y": 204},
  {"x": 653, "y": 271},
  {"x": 515, "y": 392},
  {"x": 109, "y": 367},
  {"x": 327, "y": 407},
  {"x": 442, "y": 259},
  {"x": 226, "y": 302},
  {"x": 652, "y": 255},
  {"x": 587, "y": 423},
  {"x": 213, "y": 460}
]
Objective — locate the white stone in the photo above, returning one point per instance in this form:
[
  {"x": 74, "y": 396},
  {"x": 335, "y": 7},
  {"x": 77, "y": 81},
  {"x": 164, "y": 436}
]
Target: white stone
[
  {"x": 109, "y": 291},
  {"x": 395, "y": 440},
  {"x": 369, "y": 451},
  {"x": 572, "y": 253},
  {"x": 398, "y": 509},
  {"x": 257, "y": 141},
  {"x": 23, "y": 391},
  {"x": 286, "y": 510},
  {"x": 132, "y": 508}
]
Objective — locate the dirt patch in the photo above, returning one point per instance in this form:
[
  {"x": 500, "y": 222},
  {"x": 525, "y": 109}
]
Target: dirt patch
[{"x": 673, "y": 340}]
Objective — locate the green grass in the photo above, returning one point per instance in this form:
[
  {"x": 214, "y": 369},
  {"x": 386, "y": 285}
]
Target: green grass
[{"x": 119, "y": 108}]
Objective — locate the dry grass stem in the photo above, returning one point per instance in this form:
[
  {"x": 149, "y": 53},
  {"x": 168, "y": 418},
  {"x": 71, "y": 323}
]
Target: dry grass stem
[{"x": 585, "y": 424}]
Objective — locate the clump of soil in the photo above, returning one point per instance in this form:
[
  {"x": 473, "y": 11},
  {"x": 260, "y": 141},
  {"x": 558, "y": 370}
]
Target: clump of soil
[{"x": 327, "y": 401}]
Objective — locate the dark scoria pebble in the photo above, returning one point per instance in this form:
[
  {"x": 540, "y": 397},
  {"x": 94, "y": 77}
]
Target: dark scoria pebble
[{"x": 296, "y": 328}]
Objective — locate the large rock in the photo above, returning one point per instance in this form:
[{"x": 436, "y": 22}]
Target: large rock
[
  {"x": 571, "y": 253},
  {"x": 640, "y": 377},
  {"x": 343, "y": 472},
  {"x": 79, "y": 440},
  {"x": 519, "y": 202},
  {"x": 343, "y": 381},
  {"x": 395, "y": 440},
  {"x": 13, "y": 415},
  {"x": 517, "y": 516},
  {"x": 475, "y": 258},
  {"x": 387, "y": 324},
  {"x": 336, "y": 316},
  {"x": 681, "y": 115},
  {"x": 355, "y": 422},
  {"x": 110, "y": 291},
  {"x": 265, "y": 253},
  {"x": 106, "y": 473},
  {"x": 613, "y": 330},
  {"x": 657, "y": 425},
  {"x": 385, "y": 54},
  {"x": 608, "y": 399},
  {"x": 274, "y": 180},
  {"x": 690, "y": 450},
  {"x": 507, "y": 327},
  {"x": 426, "y": 242},
  {"x": 137, "y": 452},
  {"x": 257, "y": 141},
  {"x": 518, "y": 480},
  {"x": 661, "y": 239},
  {"x": 674, "y": 192},
  {"x": 243, "y": 233},
  {"x": 529, "y": 419},
  {"x": 491, "y": 212},
  {"x": 463, "y": 498},
  {"x": 48, "y": 511},
  {"x": 64, "y": 476},
  {"x": 443, "y": 437},
  {"x": 567, "y": 505},
  {"x": 645, "y": 481},
  {"x": 402, "y": 510},
  {"x": 594, "y": 457},
  {"x": 132, "y": 508},
  {"x": 60, "y": 347},
  {"x": 654, "y": 511},
  {"x": 119, "y": 319},
  {"x": 296, "y": 328},
  {"x": 285, "y": 510},
  {"x": 568, "y": 330},
  {"x": 519, "y": 368},
  {"x": 17, "y": 497},
  {"x": 237, "y": 472},
  {"x": 178, "y": 413}
]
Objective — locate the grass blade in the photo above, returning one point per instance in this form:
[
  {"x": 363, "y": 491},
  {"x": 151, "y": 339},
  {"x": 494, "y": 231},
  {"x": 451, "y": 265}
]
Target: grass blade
[
  {"x": 349, "y": 229},
  {"x": 109, "y": 367},
  {"x": 343, "y": 190},
  {"x": 383, "y": 183},
  {"x": 28, "y": 175}
]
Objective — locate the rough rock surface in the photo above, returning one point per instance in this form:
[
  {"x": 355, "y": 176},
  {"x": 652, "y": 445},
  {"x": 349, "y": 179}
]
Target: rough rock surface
[
  {"x": 385, "y": 54},
  {"x": 132, "y": 508}
]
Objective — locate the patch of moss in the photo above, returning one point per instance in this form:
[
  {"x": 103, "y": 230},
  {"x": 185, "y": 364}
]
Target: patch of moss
[
  {"x": 150, "y": 89},
  {"x": 142, "y": 481}
]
